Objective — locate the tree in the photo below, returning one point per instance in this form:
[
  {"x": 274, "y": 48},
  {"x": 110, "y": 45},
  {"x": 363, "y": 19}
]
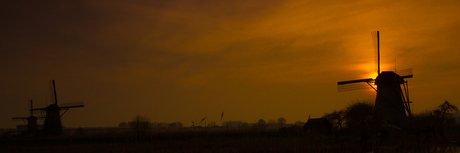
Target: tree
[
  {"x": 180, "y": 125},
  {"x": 445, "y": 111},
  {"x": 123, "y": 124},
  {"x": 245, "y": 125},
  {"x": 336, "y": 118},
  {"x": 299, "y": 123},
  {"x": 359, "y": 115},
  {"x": 172, "y": 126},
  {"x": 281, "y": 121},
  {"x": 140, "y": 124},
  {"x": 261, "y": 122},
  {"x": 271, "y": 121}
]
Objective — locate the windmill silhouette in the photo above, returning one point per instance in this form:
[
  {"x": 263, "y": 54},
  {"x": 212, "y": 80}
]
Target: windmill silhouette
[
  {"x": 392, "y": 105},
  {"x": 52, "y": 125},
  {"x": 32, "y": 125}
]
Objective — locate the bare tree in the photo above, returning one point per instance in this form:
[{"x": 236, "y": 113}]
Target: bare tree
[
  {"x": 140, "y": 124},
  {"x": 336, "y": 118},
  {"x": 445, "y": 111}
]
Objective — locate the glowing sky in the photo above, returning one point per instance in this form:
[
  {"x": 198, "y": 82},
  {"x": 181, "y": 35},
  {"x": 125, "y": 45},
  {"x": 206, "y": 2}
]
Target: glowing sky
[{"x": 179, "y": 61}]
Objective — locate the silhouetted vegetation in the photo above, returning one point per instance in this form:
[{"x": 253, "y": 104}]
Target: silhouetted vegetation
[
  {"x": 354, "y": 131},
  {"x": 429, "y": 131},
  {"x": 336, "y": 118},
  {"x": 140, "y": 124},
  {"x": 281, "y": 121}
]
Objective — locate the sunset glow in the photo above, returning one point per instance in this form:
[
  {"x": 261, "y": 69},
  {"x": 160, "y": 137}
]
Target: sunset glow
[{"x": 175, "y": 61}]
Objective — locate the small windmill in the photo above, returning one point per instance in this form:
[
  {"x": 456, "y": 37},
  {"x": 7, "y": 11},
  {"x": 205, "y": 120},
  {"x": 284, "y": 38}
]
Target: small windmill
[
  {"x": 52, "y": 125},
  {"x": 392, "y": 100},
  {"x": 32, "y": 125}
]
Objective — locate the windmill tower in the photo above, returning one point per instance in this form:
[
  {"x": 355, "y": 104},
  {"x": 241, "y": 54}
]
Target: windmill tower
[
  {"x": 392, "y": 100},
  {"x": 52, "y": 125},
  {"x": 32, "y": 125}
]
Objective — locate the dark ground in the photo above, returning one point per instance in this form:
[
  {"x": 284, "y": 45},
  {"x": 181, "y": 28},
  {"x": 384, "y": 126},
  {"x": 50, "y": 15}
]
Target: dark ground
[{"x": 226, "y": 141}]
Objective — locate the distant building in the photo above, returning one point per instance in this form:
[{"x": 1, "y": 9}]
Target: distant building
[{"x": 318, "y": 126}]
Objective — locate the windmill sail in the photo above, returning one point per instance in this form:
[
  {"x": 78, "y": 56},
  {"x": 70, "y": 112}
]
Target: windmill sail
[
  {"x": 72, "y": 105},
  {"x": 406, "y": 73},
  {"x": 354, "y": 84}
]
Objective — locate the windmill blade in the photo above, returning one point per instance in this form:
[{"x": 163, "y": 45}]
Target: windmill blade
[
  {"x": 406, "y": 73},
  {"x": 376, "y": 40},
  {"x": 72, "y": 105},
  {"x": 25, "y": 118},
  {"x": 354, "y": 81},
  {"x": 53, "y": 91},
  {"x": 407, "y": 76},
  {"x": 19, "y": 118},
  {"x": 38, "y": 109},
  {"x": 354, "y": 84}
]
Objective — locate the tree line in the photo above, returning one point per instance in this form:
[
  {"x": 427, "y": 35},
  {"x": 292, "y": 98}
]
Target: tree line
[
  {"x": 144, "y": 122},
  {"x": 438, "y": 124}
]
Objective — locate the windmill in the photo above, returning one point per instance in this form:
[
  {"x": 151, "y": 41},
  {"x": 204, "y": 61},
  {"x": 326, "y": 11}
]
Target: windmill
[
  {"x": 52, "y": 125},
  {"x": 392, "y": 100},
  {"x": 32, "y": 125}
]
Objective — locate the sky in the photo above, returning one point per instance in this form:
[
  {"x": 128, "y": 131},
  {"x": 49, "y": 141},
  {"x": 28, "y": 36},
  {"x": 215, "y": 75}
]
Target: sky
[{"x": 181, "y": 61}]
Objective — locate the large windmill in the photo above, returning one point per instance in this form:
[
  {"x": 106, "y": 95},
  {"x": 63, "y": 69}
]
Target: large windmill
[
  {"x": 52, "y": 125},
  {"x": 392, "y": 103}
]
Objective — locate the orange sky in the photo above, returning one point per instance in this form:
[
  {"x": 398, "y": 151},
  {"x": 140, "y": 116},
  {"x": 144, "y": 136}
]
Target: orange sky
[{"x": 179, "y": 61}]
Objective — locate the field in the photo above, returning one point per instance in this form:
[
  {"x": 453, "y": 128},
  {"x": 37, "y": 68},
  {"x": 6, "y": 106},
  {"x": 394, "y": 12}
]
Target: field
[{"x": 225, "y": 141}]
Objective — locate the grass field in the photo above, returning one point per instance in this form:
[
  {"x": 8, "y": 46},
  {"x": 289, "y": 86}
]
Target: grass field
[{"x": 223, "y": 141}]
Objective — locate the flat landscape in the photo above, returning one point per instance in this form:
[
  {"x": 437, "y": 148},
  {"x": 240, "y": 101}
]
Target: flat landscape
[{"x": 230, "y": 141}]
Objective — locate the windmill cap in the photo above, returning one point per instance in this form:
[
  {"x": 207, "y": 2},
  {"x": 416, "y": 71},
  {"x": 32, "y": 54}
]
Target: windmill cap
[
  {"x": 53, "y": 107},
  {"x": 388, "y": 77}
]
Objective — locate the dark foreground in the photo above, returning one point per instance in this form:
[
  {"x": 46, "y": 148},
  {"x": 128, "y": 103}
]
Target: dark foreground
[{"x": 224, "y": 141}]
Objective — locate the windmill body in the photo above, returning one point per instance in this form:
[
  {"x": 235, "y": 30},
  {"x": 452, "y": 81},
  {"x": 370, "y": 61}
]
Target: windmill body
[
  {"x": 53, "y": 124},
  {"x": 389, "y": 103},
  {"x": 32, "y": 125}
]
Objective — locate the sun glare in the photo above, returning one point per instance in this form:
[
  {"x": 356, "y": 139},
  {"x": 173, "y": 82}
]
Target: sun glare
[{"x": 372, "y": 75}]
